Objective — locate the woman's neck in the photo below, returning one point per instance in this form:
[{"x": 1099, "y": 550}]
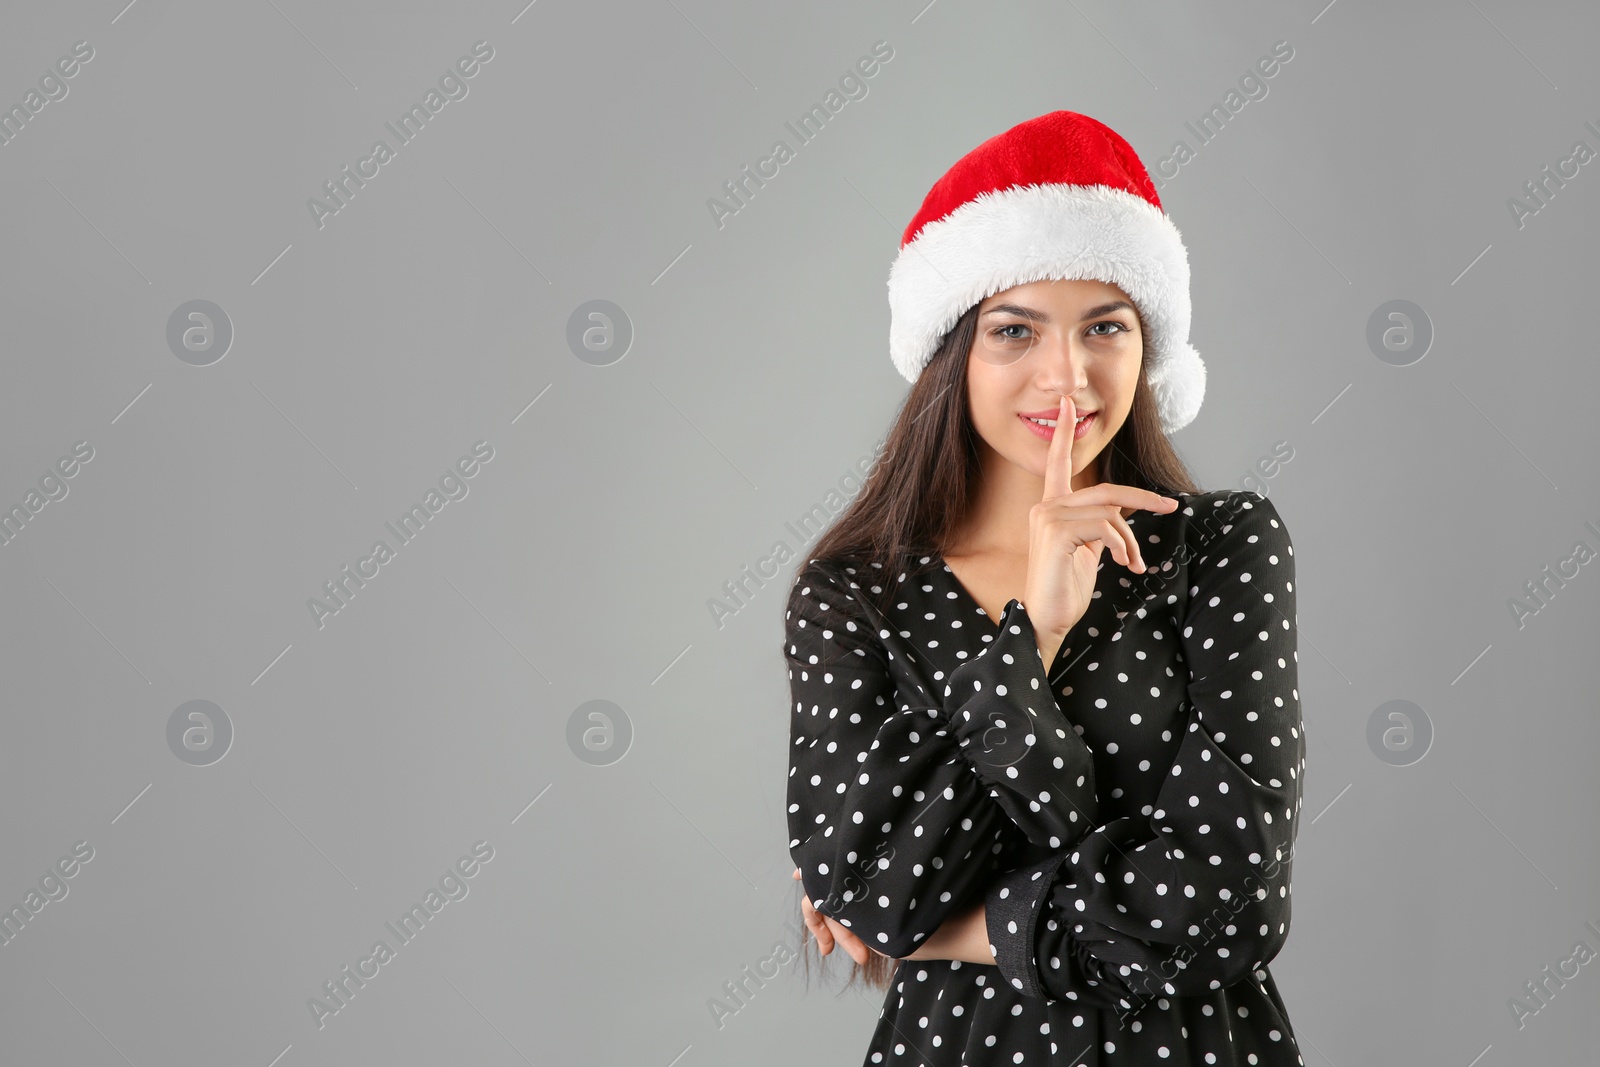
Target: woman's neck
[{"x": 997, "y": 523}]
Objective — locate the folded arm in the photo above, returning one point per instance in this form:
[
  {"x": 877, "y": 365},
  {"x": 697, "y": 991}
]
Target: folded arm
[{"x": 900, "y": 814}]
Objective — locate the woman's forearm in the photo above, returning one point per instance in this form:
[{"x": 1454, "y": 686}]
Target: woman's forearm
[{"x": 964, "y": 936}]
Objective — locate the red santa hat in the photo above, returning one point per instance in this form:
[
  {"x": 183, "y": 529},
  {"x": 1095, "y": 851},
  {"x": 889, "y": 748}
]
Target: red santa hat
[{"x": 1061, "y": 196}]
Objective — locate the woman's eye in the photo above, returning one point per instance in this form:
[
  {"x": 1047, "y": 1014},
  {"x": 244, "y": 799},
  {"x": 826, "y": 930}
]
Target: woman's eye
[
  {"x": 1001, "y": 331},
  {"x": 1118, "y": 325}
]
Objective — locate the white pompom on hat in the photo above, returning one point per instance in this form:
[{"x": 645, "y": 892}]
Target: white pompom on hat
[{"x": 1061, "y": 196}]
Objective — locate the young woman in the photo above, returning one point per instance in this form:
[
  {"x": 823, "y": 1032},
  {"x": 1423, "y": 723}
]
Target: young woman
[{"x": 1046, "y": 741}]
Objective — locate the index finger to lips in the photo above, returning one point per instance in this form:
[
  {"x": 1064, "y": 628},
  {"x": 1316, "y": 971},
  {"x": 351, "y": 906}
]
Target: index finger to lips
[{"x": 1058, "y": 457}]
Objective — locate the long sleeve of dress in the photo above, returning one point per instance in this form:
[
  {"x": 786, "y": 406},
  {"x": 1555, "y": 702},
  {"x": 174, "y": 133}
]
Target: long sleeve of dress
[
  {"x": 1194, "y": 894},
  {"x": 898, "y": 811}
]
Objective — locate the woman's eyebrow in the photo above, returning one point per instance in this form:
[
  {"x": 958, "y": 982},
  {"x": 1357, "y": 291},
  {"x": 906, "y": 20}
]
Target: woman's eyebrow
[
  {"x": 1039, "y": 316},
  {"x": 1106, "y": 309},
  {"x": 1018, "y": 309}
]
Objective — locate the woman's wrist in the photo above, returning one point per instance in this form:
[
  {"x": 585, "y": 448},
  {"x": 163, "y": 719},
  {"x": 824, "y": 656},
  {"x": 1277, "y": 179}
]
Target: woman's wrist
[
  {"x": 964, "y": 936},
  {"x": 1049, "y": 646},
  {"x": 974, "y": 944}
]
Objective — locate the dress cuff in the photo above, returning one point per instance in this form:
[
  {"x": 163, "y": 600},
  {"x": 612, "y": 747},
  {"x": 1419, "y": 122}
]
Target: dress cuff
[{"x": 1011, "y": 913}]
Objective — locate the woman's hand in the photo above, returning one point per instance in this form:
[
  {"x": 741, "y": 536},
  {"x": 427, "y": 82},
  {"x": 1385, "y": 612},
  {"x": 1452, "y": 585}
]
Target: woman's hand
[
  {"x": 829, "y": 931},
  {"x": 1068, "y": 530}
]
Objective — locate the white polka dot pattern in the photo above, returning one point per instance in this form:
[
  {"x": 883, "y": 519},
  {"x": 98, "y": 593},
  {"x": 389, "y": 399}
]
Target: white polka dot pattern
[
  {"x": 1194, "y": 896},
  {"x": 1127, "y": 820},
  {"x": 935, "y": 780}
]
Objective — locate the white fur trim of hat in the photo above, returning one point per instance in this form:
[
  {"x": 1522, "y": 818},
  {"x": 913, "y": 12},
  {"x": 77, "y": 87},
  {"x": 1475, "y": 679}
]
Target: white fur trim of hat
[{"x": 1017, "y": 210}]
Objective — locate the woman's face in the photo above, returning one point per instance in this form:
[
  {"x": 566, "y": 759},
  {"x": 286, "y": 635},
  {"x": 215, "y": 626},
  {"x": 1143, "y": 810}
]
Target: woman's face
[{"x": 1038, "y": 341}]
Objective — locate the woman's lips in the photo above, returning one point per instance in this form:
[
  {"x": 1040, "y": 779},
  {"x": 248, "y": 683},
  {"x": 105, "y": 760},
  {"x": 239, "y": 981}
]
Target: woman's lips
[{"x": 1047, "y": 432}]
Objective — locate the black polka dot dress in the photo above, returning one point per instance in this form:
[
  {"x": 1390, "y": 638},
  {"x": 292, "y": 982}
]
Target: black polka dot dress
[{"x": 1127, "y": 816}]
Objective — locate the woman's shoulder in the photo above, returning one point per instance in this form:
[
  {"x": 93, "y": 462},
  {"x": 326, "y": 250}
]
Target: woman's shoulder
[
  {"x": 825, "y": 573},
  {"x": 830, "y": 579},
  {"x": 830, "y": 615},
  {"x": 860, "y": 591},
  {"x": 1227, "y": 507},
  {"x": 1220, "y": 518},
  {"x": 853, "y": 575}
]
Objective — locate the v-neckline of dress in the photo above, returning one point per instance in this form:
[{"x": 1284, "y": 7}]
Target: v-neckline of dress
[
  {"x": 963, "y": 593},
  {"x": 972, "y": 601},
  {"x": 966, "y": 594}
]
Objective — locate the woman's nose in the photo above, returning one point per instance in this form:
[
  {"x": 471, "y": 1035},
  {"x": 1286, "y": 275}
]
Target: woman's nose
[{"x": 1062, "y": 367}]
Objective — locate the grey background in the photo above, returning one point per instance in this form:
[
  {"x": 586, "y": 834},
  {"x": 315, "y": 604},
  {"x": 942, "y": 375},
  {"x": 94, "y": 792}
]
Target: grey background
[{"x": 432, "y": 312}]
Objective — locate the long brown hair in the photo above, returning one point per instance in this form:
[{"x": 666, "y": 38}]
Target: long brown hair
[{"x": 919, "y": 491}]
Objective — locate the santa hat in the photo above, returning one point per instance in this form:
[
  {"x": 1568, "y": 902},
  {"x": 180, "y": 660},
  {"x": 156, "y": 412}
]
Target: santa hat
[{"x": 1061, "y": 196}]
